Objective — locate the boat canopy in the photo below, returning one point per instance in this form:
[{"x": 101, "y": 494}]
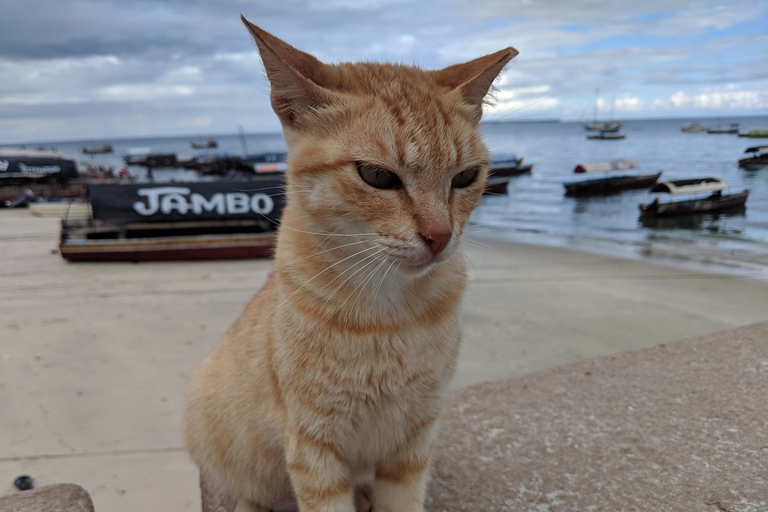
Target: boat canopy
[
  {"x": 613, "y": 165},
  {"x": 691, "y": 186},
  {"x": 756, "y": 149}
]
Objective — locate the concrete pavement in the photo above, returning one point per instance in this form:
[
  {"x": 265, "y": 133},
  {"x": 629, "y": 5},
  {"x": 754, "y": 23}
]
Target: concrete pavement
[{"x": 95, "y": 357}]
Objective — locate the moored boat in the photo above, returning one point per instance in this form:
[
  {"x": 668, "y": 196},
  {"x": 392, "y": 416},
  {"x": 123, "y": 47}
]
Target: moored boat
[
  {"x": 733, "y": 128},
  {"x": 97, "y": 149},
  {"x": 508, "y": 165},
  {"x": 204, "y": 144},
  {"x": 497, "y": 185},
  {"x": 755, "y": 133},
  {"x": 606, "y": 181},
  {"x": 26, "y": 174},
  {"x": 703, "y": 195},
  {"x": 171, "y": 221},
  {"x": 758, "y": 160},
  {"x": 605, "y": 135},
  {"x": 693, "y": 127}
]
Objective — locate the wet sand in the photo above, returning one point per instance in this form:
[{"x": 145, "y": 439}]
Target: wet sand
[{"x": 95, "y": 357}]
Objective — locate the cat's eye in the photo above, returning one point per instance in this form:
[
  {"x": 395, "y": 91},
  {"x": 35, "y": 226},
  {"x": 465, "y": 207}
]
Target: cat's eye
[
  {"x": 464, "y": 178},
  {"x": 378, "y": 177}
]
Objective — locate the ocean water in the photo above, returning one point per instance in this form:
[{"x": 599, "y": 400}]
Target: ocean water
[{"x": 536, "y": 209}]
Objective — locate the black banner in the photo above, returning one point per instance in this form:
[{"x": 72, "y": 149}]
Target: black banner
[
  {"x": 39, "y": 168},
  {"x": 209, "y": 200}
]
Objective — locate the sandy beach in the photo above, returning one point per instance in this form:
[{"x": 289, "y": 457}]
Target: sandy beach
[{"x": 95, "y": 357}]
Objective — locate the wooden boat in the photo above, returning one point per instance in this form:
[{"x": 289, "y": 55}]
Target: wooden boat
[
  {"x": 733, "y": 128},
  {"x": 755, "y": 133},
  {"x": 694, "y": 128},
  {"x": 605, "y": 181},
  {"x": 97, "y": 149},
  {"x": 497, "y": 185},
  {"x": 705, "y": 195},
  {"x": 604, "y": 135},
  {"x": 508, "y": 166},
  {"x": 602, "y": 126},
  {"x": 758, "y": 160},
  {"x": 146, "y": 158},
  {"x": 164, "y": 221},
  {"x": 38, "y": 174},
  {"x": 204, "y": 144}
]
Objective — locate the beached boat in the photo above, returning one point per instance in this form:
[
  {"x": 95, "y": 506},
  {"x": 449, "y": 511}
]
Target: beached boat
[
  {"x": 609, "y": 177},
  {"x": 732, "y": 128},
  {"x": 97, "y": 149},
  {"x": 164, "y": 221},
  {"x": 694, "y": 128},
  {"x": 755, "y": 133},
  {"x": 204, "y": 144},
  {"x": 605, "y": 135},
  {"x": 31, "y": 174},
  {"x": 704, "y": 195},
  {"x": 508, "y": 165},
  {"x": 758, "y": 160}
]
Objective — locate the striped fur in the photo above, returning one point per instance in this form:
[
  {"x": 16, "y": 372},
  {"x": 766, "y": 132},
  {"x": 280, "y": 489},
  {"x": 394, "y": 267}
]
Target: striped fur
[{"x": 325, "y": 392}]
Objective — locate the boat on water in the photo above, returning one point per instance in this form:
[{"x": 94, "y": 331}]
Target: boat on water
[
  {"x": 145, "y": 157},
  {"x": 97, "y": 149},
  {"x": 732, "y": 128},
  {"x": 497, "y": 185},
  {"x": 30, "y": 175},
  {"x": 694, "y": 128},
  {"x": 755, "y": 133},
  {"x": 508, "y": 165},
  {"x": 204, "y": 144},
  {"x": 176, "y": 221},
  {"x": 609, "y": 177},
  {"x": 758, "y": 160},
  {"x": 702, "y": 195},
  {"x": 605, "y": 135},
  {"x": 223, "y": 163},
  {"x": 602, "y": 126}
]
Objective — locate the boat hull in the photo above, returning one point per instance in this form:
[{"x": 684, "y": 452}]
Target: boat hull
[
  {"x": 170, "y": 248},
  {"x": 512, "y": 170},
  {"x": 609, "y": 185},
  {"x": 497, "y": 185},
  {"x": 705, "y": 205}
]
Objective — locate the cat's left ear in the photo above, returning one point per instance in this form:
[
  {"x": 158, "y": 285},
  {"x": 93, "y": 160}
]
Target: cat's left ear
[{"x": 474, "y": 78}]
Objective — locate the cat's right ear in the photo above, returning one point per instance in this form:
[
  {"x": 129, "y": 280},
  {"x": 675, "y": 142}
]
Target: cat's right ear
[{"x": 293, "y": 75}]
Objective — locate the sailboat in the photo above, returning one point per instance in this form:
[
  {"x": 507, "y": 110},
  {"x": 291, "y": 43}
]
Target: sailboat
[{"x": 602, "y": 126}]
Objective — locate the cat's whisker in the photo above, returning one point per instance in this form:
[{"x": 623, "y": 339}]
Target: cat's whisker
[
  {"x": 312, "y": 279},
  {"x": 363, "y": 283},
  {"x": 327, "y": 299},
  {"x": 337, "y": 247},
  {"x": 375, "y": 294}
]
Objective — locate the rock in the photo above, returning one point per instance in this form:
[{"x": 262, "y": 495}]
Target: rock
[{"x": 51, "y": 498}]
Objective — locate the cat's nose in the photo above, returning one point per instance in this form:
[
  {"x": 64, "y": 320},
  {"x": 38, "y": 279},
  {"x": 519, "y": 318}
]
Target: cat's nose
[{"x": 436, "y": 241}]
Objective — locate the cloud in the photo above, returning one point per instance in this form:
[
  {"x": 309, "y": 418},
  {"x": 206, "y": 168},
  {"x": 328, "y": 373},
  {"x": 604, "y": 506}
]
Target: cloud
[{"x": 125, "y": 65}]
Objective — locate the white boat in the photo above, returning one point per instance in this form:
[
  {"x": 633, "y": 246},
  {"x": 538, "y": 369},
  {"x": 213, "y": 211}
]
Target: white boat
[
  {"x": 702, "y": 195},
  {"x": 602, "y": 126},
  {"x": 694, "y": 128}
]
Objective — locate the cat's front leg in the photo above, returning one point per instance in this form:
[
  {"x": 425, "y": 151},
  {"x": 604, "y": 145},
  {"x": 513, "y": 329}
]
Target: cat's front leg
[
  {"x": 319, "y": 475},
  {"x": 401, "y": 479}
]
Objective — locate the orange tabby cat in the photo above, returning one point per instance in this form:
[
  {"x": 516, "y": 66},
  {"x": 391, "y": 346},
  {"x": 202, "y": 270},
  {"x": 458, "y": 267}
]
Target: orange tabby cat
[{"x": 325, "y": 392}]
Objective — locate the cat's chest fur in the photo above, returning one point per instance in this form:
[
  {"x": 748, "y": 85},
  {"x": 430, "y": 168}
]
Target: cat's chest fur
[{"x": 363, "y": 389}]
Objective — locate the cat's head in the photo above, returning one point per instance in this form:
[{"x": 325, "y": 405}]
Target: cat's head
[{"x": 388, "y": 152}]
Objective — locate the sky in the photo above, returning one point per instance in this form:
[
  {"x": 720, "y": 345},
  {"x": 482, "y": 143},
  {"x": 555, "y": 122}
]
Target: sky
[{"x": 102, "y": 69}]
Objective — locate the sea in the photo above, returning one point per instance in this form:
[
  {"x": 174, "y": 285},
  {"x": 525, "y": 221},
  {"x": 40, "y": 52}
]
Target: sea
[{"x": 535, "y": 210}]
